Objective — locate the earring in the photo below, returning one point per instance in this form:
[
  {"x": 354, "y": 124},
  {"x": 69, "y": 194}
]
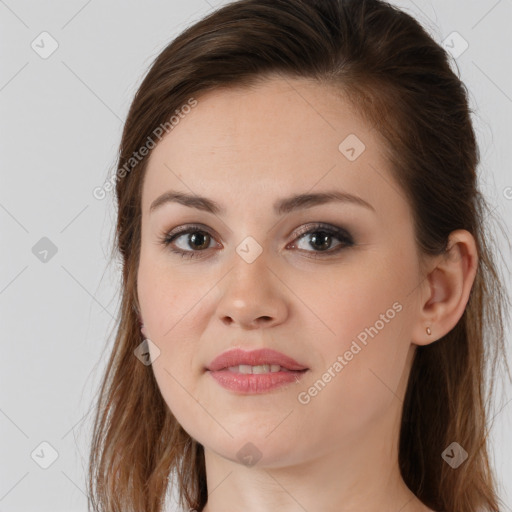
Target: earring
[{"x": 429, "y": 332}]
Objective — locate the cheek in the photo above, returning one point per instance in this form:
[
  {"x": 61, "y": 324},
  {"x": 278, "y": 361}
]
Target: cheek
[
  {"x": 348, "y": 300},
  {"x": 167, "y": 307},
  {"x": 367, "y": 318},
  {"x": 167, "y": 299},
  {"x": 171, "y": 303}
]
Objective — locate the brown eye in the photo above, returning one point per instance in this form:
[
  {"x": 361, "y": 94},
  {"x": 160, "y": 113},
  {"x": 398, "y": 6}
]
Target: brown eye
[
  {"x": 197, "y": 240},
  {"x": 321, "y": 239},
  {"x": 191, "y": 241}
]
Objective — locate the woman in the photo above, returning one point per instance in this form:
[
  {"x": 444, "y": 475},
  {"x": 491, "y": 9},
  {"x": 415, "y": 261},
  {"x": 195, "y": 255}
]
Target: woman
[{"x": 309, "y": 300}]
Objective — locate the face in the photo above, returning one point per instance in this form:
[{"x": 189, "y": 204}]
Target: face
[{"x": 332, "y": 285}]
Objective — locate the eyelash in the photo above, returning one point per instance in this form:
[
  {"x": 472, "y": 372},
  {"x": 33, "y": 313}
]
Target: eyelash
[{"x": 343, "y": 236}]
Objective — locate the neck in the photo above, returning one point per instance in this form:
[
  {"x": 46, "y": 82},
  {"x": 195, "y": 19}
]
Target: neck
[{"x": 347, "y": 477}]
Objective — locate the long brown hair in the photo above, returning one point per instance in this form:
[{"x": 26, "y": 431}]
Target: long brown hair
[{"x": 400, "y": 81}]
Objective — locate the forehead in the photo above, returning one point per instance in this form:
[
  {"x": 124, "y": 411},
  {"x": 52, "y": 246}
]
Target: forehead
[{"x": 291, "y": 134}]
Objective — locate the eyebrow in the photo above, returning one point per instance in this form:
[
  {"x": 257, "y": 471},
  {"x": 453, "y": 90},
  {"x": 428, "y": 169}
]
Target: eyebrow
[{"x": 281, "y": 206}]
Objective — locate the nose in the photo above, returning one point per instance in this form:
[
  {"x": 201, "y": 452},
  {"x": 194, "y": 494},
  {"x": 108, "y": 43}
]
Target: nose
[{"x": 252, "y": 295}]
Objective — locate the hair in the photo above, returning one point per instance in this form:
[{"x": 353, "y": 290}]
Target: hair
[{"x": 400, "y": 82}]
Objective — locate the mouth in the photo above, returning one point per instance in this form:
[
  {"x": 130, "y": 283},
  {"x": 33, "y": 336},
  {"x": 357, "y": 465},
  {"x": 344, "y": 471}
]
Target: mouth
[
  {"x": 246, "y": 369},
  {"x": 255, "y": 361},
  {"x": 255, "y": 372}
]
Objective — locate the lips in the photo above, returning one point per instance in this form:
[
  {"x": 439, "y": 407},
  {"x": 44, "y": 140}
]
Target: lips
[{"x": 264, "y": 356}]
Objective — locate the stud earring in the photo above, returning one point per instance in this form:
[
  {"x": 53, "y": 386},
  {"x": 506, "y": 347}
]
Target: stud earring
[{"x": 429, "y": 332}]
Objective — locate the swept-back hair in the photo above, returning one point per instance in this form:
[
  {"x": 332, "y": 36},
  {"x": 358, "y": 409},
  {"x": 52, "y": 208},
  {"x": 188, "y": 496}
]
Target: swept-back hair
[{"x": 400, "y": 81}]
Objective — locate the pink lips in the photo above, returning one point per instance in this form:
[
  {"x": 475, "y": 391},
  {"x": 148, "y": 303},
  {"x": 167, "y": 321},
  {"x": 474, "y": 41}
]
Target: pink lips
[
  {"x": 237, "y": 357},
  {"x": 245, "y": 383}
]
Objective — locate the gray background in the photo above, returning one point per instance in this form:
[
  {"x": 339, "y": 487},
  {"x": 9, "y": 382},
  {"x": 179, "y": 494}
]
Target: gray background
[{"x": 61, "y": 125}]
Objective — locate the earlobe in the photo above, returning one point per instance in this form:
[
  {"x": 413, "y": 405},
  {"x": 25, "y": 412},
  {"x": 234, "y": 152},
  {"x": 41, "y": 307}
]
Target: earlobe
[
  {"x": 142, "y": 328},
  {"x": 447, "y": 288}
]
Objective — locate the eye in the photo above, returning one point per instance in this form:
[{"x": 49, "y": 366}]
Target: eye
[
  {"x": 321, "y": 239},
  {"x": 197, "y": 240}
]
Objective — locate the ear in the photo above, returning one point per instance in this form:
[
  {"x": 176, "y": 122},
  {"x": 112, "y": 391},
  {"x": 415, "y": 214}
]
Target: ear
[
  {"x": 445, "y": 290},
  {"x": 142, "y": 328}
]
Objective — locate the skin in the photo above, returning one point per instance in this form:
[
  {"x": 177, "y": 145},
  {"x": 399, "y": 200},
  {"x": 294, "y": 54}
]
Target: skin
[{"x": 246, "y": 148}]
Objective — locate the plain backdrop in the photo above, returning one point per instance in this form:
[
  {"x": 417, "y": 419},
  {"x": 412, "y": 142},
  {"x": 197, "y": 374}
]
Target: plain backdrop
[{"x": 69, "y": 70}]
